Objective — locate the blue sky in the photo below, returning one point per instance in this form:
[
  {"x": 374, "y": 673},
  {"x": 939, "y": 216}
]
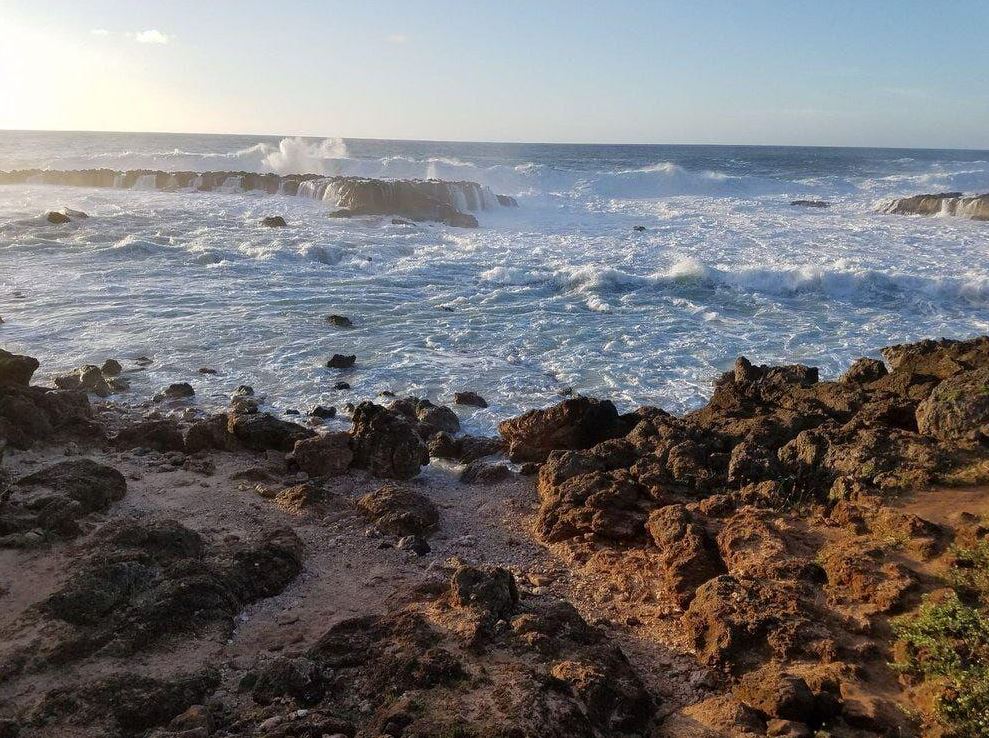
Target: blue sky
[{"x": 831, "y": 73}]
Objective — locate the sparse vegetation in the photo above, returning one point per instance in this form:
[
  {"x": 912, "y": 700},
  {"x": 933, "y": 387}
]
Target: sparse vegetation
[{"x": 946, "y": 645}]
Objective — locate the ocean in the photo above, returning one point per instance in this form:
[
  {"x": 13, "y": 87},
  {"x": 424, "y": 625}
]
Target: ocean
[{"x": 560, "y": 293}]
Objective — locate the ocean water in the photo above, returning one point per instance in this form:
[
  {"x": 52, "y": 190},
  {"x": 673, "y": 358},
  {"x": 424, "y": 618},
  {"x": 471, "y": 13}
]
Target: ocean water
[{"x": 558, "y": 293}]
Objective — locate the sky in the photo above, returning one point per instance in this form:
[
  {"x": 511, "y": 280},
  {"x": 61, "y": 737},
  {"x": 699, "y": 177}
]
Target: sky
[{"x": 863, "y": 73}]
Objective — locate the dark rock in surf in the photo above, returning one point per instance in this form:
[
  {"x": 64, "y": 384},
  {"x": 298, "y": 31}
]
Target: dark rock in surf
[
  {"x": 428, "y": 418},
  {"x": 57, "y": 218},
  {"x": 947, "y": 203},
  {"x": 340, "y": 321},
  {"x": 471, "y": 399},
  {"x": 810, "y": 203},
  {"x": 111, "y": 368},
  {"x": 461, "y": 220},
  {"x": 176, "y": 391},
  {"x": 273, "y": 221},
  {"x": 340, "y": 361},
  {"x": 87, "y": 378}
]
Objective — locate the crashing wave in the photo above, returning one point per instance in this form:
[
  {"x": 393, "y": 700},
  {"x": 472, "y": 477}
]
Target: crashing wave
[
  {"x": 943, "y": 203},
  {"x": 838, "y": 281},
  {"x": 450, "y": 202}
]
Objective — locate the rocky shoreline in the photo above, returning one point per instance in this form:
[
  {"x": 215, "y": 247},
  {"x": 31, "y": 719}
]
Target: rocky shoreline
[{"x": 778, "y": 562}]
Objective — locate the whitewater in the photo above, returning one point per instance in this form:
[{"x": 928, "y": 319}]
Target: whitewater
[{"x": 559, "y": 294}]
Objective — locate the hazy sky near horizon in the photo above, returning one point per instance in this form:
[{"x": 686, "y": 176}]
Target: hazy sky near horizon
[{"x": 862, "y": 73}]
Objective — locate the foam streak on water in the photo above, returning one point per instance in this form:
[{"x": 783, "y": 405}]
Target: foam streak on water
[{"x": 559, "y": 292}]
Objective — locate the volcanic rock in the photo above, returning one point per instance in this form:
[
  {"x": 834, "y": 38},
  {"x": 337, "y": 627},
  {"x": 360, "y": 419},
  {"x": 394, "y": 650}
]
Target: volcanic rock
[
  {"x": 386, "y": 443},
  {"x": 572, "y": 424}
]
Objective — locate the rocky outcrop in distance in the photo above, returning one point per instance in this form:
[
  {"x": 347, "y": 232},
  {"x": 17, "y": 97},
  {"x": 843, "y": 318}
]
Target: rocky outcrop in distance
[
  {"x": 417, "y": 199},
  {"x": 975, "y": 207}
]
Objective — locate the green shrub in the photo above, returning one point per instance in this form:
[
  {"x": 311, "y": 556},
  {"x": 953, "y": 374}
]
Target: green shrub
[{"x": 946, "y": 643}]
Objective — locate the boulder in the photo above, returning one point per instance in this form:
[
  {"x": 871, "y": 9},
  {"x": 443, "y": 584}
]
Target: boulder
[
  {"x": 428, "y": 418},
  {"x": 399, "y": 511},
  {"x": 739, "y": 624},
  {"x": 340, "y": 321},
  {"x": 461, "y": 220},
  {"x": 777, "y": 694},
  {"x": 263, "y": 432},
  {"x": 176, "y": 391},
  {"x": 386, "y": 443},
  {"x": 482, "y": 472},
  {"x": 210, "y": 434},
  {"x": 957, "y": 411},
  {"x": 298, "y": 678},
  {"x": 121, "y": 704},
  {"x": 17, "y": 369},
  {"x": 577, "y": 423},
  {"x": 160, "y": 435},
  {"x": 144, "y": 581},
  {"x": 340, "y": 361},
  {"x": 273, "y": 221},
  {"x": 88, "y": 378},
  {"x": 323, "y": 455},
  {"x": 57, "y": 218},
  {"x": 471, "y": 399},
  {"x": 50, "y": 502},
  {"x": 466, "y": 449},
  {"x": 864, "y": 371},
  {"x": 30, "y": 414},
  {"x": 92, "y": 485},
  {"x": 111, "y": 368}
]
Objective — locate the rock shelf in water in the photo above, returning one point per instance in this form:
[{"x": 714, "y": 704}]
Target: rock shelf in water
[{"x": 417, "y": 199}]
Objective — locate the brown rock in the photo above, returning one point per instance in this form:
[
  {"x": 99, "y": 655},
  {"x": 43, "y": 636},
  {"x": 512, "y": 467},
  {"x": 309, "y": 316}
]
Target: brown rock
[
  {"x": 323, "y": 455},
  {"x": 957, "y": 411},
  {"x": 16, "y": 369},
  {"x": 577, "y": 423},
  {"x": 88, "y": 378},
  {"x": 161, "y": 435},
  {"x": 386, "y": 444},
  {"x": 777, "y": 694},
  {"x": 688, "y": 556},
  {"x": 471, "y": 399},
  {"x": 399, "y": 511},
  {"x": 481, "y": 472},
  {"x": 263, "y": 431}
]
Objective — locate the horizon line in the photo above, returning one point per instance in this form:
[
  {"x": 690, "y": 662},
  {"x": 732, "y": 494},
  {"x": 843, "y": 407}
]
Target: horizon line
[{"x": 496, "y": 142}]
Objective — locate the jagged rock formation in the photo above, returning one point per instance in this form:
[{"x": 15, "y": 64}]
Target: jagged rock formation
[
  {"x": 468, "y": 658},
  {"x": 416, "y": 199},
  {"x": 721, "y": 505},
  {"x": 143, "y": 582},
  {"x": 945, "y": 203}
]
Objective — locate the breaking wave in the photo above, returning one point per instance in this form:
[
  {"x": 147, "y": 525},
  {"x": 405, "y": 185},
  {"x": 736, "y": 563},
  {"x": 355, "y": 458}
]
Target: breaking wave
[{"x": 836, "y": 282}]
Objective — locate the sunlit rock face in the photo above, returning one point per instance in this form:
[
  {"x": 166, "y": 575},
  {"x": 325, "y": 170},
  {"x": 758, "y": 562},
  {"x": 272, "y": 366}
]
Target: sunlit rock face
[
  {"x": 944, "y": 203},
  {"x": 417, "y": 199}
]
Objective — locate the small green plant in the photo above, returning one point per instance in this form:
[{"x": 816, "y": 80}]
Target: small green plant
[
  {"x": 946, "y": 643},
  {"x": 970, "y": 573}
]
